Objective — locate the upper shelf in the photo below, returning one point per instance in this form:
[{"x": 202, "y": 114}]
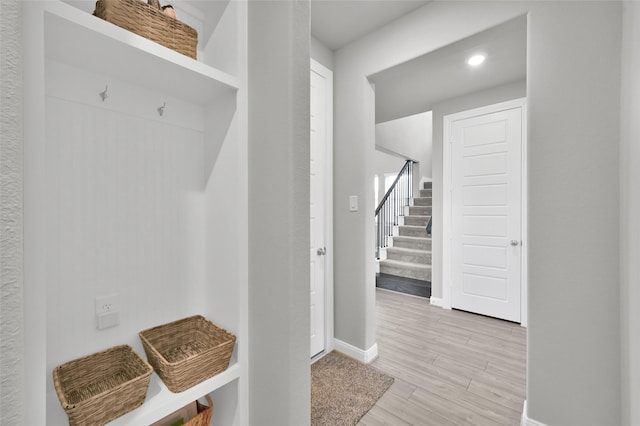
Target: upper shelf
[{"x": 80, "y": 39}]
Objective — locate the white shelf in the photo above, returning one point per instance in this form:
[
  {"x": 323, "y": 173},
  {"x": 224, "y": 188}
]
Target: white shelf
[
  {"x": 160, "y": 401},
  {"x": 79, "y": 39}
]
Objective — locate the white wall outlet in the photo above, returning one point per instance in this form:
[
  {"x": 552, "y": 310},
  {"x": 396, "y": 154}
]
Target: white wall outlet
[{"x": 107, "y": 304}]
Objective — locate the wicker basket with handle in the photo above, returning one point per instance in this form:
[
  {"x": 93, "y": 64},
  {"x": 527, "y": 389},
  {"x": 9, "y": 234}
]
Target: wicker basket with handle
[
  {"x": 149, "y": 22},
  {"x": 188, "y": 351},
  {"x": 98, "y": 388}
]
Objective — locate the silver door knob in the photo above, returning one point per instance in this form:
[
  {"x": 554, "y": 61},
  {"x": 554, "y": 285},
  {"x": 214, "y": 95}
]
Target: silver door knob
[
  {"x": 514, "y": 242},
  {"x": 322, "y": 251}
]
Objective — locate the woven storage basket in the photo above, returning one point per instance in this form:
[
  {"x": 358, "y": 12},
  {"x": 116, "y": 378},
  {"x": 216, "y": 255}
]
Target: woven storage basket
[
  {"x": 188, "y": 351},
  {"x": 146, "y": 21},
  {"x": 204, "y": 414},
  {"x": 98, "y": 388}
]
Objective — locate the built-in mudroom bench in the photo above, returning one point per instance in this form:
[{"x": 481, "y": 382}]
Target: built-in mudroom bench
[{"x": 135, "y": 194}]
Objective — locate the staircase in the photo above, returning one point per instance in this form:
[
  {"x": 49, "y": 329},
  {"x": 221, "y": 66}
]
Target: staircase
[{"x": 409, "y": 251}]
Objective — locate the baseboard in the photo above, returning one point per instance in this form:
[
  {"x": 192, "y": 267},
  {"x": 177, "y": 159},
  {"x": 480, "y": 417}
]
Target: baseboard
[
  {"x": 526, "y": 421},
  {"x": 356, "y": 353},
  {"x": 436, "y": 301}
]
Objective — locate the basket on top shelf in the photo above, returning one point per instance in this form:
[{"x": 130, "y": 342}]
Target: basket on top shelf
[
  {"x": 150, "y": 22},
  {"x": 101, "y": 387},
  {"x": 188, "y": 351}
]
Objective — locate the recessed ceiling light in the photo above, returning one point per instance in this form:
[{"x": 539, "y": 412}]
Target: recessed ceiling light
[{"x": 476, "y": 60}]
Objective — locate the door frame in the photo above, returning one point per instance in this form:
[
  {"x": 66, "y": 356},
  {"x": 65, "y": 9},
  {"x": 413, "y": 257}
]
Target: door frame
[
  {"x": 328, "y": 212},
  {"x": 447, "y": 202}
]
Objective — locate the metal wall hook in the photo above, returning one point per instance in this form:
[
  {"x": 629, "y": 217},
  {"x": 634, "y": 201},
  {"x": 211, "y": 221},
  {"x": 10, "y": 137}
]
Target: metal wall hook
[
  {"x": 103, "y": 94},
  {"x": 161, "y": 109}
]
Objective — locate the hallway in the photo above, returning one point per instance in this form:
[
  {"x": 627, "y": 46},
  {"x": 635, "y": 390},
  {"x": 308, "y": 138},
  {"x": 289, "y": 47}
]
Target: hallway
[{"x": 450, "y": 367}]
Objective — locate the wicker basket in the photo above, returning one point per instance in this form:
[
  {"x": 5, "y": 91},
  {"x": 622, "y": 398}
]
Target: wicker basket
[
  {"x": 140, "y": 18},
  {"x": 98, "y": 388},
  {"x": 204, "y": 414},
  {"x": 188, "y": 351}
]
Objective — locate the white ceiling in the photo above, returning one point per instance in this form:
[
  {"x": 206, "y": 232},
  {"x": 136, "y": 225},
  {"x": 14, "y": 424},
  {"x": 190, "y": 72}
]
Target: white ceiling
[
  {"x": 415, "y": 86},
  {"x": 336, "y": 23}
]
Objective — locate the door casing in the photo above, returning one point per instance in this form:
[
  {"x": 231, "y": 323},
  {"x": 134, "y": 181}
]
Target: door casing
[{"x": 328, "y": 213}]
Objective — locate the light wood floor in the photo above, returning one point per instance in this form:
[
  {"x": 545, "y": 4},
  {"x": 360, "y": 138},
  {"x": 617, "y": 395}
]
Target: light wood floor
[{"x": 450, "y": 367}]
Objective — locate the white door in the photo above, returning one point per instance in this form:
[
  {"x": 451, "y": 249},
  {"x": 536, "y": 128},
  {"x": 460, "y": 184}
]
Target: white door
[
  {"x": 317, "y": 251},
  {"x": 486, "y": 213}
]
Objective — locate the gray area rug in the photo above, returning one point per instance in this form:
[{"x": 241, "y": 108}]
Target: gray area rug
[{"x": 343, "y": 390}]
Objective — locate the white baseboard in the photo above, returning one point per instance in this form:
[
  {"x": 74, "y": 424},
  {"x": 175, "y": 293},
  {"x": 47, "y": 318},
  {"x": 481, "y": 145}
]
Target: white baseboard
[
  {"x": 356, "y": 353},
  {"x": 526, "y": 421},
  {"x": 436, "y": 301}
]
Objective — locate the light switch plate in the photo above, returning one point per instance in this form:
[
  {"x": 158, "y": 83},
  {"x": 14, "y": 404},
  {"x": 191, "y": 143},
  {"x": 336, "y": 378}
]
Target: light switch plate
[{"x": 353, "y": 203}]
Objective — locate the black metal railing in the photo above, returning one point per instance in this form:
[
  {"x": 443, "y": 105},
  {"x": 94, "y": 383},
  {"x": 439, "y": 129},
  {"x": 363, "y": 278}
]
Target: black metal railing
[
  {"x": 429, "y": 225},
  {"x": 392, "y": 206}
]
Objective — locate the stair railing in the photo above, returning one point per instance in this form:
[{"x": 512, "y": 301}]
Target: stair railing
[{"x": 392, "y": 206}]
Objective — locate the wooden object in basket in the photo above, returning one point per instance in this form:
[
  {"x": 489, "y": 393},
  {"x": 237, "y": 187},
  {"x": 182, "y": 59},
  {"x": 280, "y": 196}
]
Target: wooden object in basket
[
  {"x": 193, "y": 414},
  {"x": 204, "y": 414},
  {"x": 188, "y": 351},
  {"x": 149, "y": 22},
  {"x": 101, "y": 387}
]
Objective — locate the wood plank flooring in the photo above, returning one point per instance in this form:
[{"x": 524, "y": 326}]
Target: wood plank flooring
[{"x": 450, "y": 367}]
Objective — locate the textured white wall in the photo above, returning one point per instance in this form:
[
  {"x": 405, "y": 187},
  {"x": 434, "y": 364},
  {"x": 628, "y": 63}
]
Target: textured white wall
[
  {"x": 279, "y": 368},
  {"x": 630, "y": 212},
  {"x": 12, "y": 390}
]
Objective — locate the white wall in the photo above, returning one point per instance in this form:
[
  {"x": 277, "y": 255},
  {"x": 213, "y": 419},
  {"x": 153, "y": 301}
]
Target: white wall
[
  {"x": 494, "y": 95},
  {"x": 410, "y": 137},
  {"x": 630, "y": 211},
  {"x": 573, "y": 359},
  {"x": 12, "y": 391},
  {"x": 386, "y": 164},
  {"x": 279, "y": 369},
  {"x": 321, "y": 53}
]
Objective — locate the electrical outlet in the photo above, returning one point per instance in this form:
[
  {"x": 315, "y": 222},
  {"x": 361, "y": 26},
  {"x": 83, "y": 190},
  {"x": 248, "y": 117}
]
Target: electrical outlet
[
  {"x": 107, "y": 304},
  {"x": 107, "y": 311}
]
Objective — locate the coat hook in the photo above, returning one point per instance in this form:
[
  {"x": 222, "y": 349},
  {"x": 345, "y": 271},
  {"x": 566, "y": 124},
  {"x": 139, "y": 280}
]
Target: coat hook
[
  {"x": 161, "y": 109},
  {"x": 103, "y": 95}
]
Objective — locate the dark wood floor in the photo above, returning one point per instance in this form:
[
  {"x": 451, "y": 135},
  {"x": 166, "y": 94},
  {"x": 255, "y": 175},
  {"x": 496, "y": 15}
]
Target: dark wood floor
[
  {"x": 404, "y": 285},
  {"x": 450, "y": 367}
]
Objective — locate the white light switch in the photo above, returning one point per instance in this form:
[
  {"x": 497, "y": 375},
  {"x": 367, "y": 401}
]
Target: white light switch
[{"x": 353, "y": 203}]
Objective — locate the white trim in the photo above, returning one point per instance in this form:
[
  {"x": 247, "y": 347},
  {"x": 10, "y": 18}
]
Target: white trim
[
  {"x": 526, "y": 421},
  {"x": 524, "y": 196},
  {"x": 356, "y": 353},
  {"x": 436, "y": 301},
  {"x": 446, "y": 199},
  {"x": 325, "y": 72},
  {"x": 446, "y": 213}
]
